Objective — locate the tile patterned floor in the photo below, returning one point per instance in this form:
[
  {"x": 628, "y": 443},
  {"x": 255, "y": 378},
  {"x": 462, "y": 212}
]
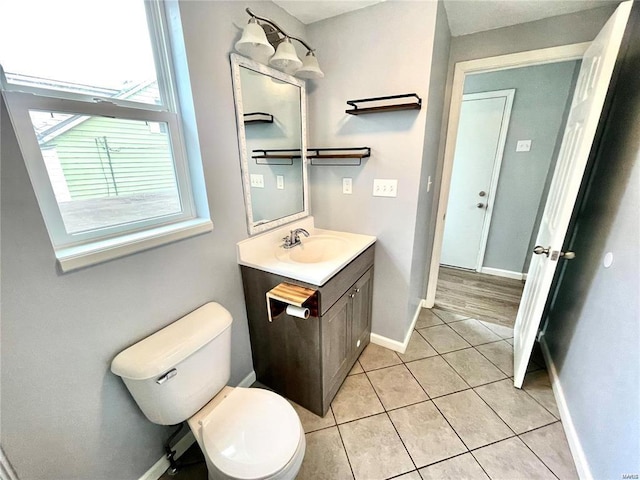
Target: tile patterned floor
[{"x": 446, "y": 408}]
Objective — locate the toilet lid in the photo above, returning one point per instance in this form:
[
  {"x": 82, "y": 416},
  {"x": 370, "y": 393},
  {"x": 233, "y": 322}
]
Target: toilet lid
[{"x": 252, "y": 433}]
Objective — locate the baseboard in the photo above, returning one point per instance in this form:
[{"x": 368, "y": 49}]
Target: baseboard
[
  {"x": 6, "y": 469},
  {"x": 502, "y": 273},
  {"x": 158, "y": 468},
  {"x": 395, "y": 345},
  {"x": 248, "y": 380},
  {"x": 579, "y": 458}
]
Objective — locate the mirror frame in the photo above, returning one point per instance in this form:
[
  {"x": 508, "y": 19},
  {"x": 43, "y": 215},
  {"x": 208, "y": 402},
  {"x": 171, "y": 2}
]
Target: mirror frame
[{"x": 238, "y": 61}]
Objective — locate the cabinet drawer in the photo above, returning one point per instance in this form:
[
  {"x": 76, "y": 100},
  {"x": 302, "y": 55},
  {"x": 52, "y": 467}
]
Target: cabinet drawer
[{"x": 331, "y": 291}]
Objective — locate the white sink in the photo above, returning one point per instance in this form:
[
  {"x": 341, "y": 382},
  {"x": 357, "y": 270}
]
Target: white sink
[
  {"x": 321, "y": 255},
  {"x": 315, "y": 249}
]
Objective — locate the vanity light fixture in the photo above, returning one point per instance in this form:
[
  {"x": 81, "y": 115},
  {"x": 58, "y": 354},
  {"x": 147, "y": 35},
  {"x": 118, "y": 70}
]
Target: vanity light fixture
[{"x": 260, "y": 38}]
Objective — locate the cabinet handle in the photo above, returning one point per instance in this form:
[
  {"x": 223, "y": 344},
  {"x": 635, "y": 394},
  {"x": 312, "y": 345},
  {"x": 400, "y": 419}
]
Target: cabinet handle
[
  {"x": 352, "y": 295},
  {"x": 357, "y": 290}
]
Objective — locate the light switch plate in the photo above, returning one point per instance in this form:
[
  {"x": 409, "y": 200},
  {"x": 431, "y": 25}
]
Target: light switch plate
[
  {"x": 384, "y": 187},
  {"x": 347, "y": 186},
  {"x": 257, "y": 180},
  {"x": 523, "y": 146},
  {"x": 280, "y": 182}
]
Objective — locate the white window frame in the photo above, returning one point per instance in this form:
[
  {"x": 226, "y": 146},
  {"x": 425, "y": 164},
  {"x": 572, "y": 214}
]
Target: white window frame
[{"x": 90, "y": 247}]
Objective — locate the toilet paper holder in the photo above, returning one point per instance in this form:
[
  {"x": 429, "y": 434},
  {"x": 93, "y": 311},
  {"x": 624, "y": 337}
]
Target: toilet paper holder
[{"x": 302, "y": 300}]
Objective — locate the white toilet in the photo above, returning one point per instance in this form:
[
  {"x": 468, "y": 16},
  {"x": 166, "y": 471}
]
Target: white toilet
[{"x": 180, "y": 373}]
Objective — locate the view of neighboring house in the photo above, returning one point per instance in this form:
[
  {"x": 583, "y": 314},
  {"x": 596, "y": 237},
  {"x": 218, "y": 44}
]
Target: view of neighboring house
[{"x": 114, "y": 160}]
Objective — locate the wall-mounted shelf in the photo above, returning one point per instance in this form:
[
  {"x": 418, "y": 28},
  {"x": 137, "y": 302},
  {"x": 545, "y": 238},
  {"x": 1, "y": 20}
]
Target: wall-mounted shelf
[
  {"x": 377, "y": 104},
  {"x": 286, "y": 156},
  {"x": 257, "y": 117},
  {"x": 352, "y": 153},
  {"x": 275, "y": 157}
]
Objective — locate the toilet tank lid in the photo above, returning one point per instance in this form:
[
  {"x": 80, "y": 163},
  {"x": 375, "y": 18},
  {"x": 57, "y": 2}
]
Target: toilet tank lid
[{"x": 166, "y": 348}]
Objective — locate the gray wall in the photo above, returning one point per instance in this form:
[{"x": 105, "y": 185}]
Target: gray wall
[
  {"x": 593, "y": 330},
  {"x": 538, "y": 114},
  {"x": 432, "y": 151},
  {"x": 380, "y": 50},
  {"x": 64, "y": 415}
]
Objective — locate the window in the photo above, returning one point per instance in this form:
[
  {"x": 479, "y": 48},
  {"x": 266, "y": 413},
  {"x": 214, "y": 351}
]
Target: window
[{"x": 92, "y": 100}]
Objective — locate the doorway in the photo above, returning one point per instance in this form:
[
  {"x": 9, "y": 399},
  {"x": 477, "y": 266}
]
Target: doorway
[
  {"x": 509, "y": 134},
  {"x": 482, "y": 133}
]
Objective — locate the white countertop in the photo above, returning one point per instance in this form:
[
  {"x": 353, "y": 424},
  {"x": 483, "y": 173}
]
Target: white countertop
[{"x": 262, "y": 252}]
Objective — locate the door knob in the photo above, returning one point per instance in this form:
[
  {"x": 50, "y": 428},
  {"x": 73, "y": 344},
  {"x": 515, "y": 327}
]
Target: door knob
[
  {"x": 568, "y": 255},
  {"x": 480, "y": 205},
  {"x": 539, "y": 250},
  {"x": 482, "y": 193}
]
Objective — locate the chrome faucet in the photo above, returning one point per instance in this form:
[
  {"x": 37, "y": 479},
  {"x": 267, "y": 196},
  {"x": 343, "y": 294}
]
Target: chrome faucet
[{"x": 293, "y": 239}]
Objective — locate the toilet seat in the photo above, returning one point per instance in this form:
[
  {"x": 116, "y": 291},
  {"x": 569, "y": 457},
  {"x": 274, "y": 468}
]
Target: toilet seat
[{"x": 251, "y": 434}]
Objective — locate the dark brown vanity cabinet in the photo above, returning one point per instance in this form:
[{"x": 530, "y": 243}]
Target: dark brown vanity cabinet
[{"x": 307, "y": 360}]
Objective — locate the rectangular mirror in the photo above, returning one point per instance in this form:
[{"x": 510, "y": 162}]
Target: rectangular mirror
[{"x": 271, "y": 121}]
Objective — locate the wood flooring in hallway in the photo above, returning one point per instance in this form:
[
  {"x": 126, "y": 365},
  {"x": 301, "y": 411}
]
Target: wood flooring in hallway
[{"x": 485, "y": 297}]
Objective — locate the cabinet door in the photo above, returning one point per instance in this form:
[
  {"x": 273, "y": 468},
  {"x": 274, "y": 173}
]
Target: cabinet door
[
  {"x": 362, "y": 295},
  {"x": 335, "y": 342}
]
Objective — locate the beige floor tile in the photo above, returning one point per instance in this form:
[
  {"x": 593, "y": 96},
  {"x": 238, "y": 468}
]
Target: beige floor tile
[
  {"x": 355, "y": 399},
  {"x": 449, "y": 317},
  {"x": 463, "y": 467},
  {"x": 325, "y": 457},
  {"x": 409, "y": 476},
  {"x": 473, "y": 367},
  {"x": 357, "y": 368},
  {"x": 500, "y": 330},
  {"x": 474, "y": 332},
  {"x": 427, "y": 319},
  {"x": 436, "y": 376},
  {"x": 538, "y": 385},
  {"x": 518, "y": 410},
  {"x": 550, "y": 445},
  {"x": 426, "y": 434},
  {"x": 511, "y": 459},
  {"x": 472, "y": 419},
  {"x": 374, "y": 356},
  {"x": 374, "y": 448},
  {"x": 310, "y": 421},
  {"x": 500, "y": 354},
  {"x": 509, "y": 340},
  {"x": 443, "y": 338},
  {"x": 417, "y": 348},
  {"x": 396, "y": 387}
]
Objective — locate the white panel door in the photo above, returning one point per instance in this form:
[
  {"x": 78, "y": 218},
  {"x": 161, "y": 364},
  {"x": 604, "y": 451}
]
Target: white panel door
[
  {"x": 588, "y": 100},
  {"x": 484, "y": 120}
]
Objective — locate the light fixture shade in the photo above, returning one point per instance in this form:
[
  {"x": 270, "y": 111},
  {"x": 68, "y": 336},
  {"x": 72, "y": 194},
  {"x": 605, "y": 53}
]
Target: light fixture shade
[
  {"x": 286, "y": 57},
  {"x": 310, "y": 67},
  {"x": 253, "y": 42}
]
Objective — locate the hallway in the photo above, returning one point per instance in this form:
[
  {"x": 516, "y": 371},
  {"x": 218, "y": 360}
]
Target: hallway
[{"x": 478, "y": 295}]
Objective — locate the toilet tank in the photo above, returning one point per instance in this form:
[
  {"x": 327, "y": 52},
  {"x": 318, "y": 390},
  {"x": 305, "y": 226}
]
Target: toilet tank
[{"x": 176, "y": 371}]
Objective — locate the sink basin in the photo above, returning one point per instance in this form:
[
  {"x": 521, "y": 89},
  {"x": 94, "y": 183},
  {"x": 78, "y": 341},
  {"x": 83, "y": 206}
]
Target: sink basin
[
  {"x": 315, "y": 261},
  {"x": 315, "y": 249}
]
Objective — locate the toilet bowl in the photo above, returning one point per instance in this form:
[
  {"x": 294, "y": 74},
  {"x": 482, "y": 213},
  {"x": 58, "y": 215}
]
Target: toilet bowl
[
  {"x": 180, "y": 373},
  {"x": 249, "y": 433}
]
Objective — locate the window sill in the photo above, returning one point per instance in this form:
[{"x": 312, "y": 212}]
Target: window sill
[{"x": 74, "y": 258}]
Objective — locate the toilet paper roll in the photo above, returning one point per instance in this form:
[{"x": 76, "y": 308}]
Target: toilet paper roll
[{"x": 300, "y": 312}]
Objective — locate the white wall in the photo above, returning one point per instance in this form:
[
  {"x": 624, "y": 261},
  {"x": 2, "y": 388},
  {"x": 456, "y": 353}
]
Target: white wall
[
  {"x": 381, "y": 50},
  {"x": 64, "y": 415}
]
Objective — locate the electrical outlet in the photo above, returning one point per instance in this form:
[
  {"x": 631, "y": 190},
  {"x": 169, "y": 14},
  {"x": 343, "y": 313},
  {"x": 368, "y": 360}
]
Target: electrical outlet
[
  {"x": 280, "y": 182},
  {"x": 347, "y": 186},
  {"x": 383, "y": 187},
  {"x": 257, "y": 180},
  {"x": 523, "y": 146}
]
